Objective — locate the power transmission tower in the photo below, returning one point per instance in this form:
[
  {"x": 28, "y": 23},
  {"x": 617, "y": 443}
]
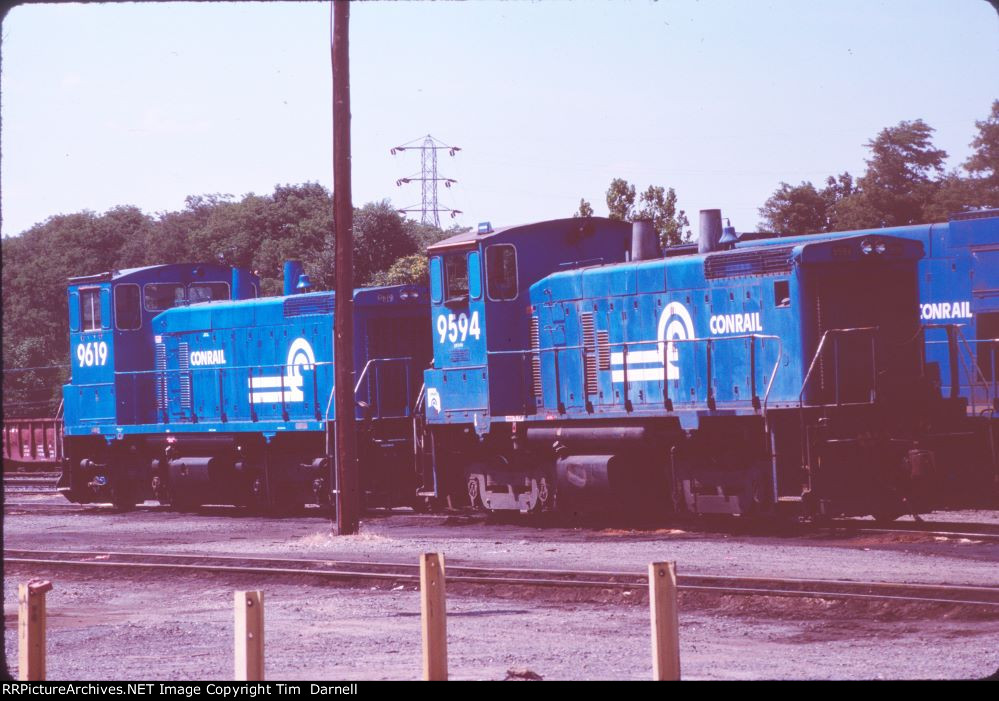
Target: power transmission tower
[{"x": 430, "y": 209}]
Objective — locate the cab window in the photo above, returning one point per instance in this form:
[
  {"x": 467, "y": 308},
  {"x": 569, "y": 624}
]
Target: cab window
[
  {"x": 158, "y": 296},
  {"x": 90, "y": 309},
  {"x": 456, "y": 277},
  {"x": 207, "y": 292},
  {"x": 501, "y": 272},
  {"x": 127, "y": 313}
]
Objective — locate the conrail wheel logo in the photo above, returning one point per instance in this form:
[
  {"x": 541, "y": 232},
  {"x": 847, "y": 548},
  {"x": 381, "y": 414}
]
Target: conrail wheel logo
[
  {"x": 675, "y": 324},
  {"x": 286, "y": 387},
  {"x": 434, "y": 399}
]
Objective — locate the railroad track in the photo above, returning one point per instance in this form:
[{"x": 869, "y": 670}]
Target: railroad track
[
  {"x": 986, "y": 532},
  {"x": 30, "y": 478},
  {"x": 394, "y": 573},
  {"x": 30, "y": 482}
]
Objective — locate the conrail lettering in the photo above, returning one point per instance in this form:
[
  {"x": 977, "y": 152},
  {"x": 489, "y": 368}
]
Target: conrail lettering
[
  {"x": 208, "y": 357},
  {"x": 945, "y": 310},
  {"x": 735, "y": 323}
]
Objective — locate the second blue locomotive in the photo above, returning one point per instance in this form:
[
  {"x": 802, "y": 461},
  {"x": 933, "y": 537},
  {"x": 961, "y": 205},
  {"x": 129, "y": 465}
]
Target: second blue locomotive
[{"x": 726, "y": 382}]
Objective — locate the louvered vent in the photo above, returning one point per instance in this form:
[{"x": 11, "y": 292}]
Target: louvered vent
[
  {"x": 301, "y": 305},
  {"x": 603, "y": 350},
  {"x": 590, "y": 349},
  {"x": 161, "y": 378},
  {"x": 184, "y": 365},
  {"x": 765, "y": 261},
  {"x": 535, "y": 358}
]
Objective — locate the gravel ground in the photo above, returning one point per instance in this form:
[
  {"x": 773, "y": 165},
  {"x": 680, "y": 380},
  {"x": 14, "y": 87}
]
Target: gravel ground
[{"x": 179, "y": 627}]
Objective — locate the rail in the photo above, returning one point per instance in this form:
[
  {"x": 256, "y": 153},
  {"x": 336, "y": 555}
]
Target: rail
[
  {"x": 285, "y": 392},
  {"x": 957, "y": 342},
  {"x": 816, "y": 358},
  {"x": 662, "y": 349}
]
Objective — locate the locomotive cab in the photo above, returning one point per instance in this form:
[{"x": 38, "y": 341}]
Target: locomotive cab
[{"x": 112, "y": 357}]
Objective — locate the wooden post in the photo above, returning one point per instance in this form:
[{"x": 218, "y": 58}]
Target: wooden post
[
  {"x": 31, "y": 630},
  {"x": 433, "y": 617},
  {"x": 249, "y": 609},
  {"x": 348, "y": 494},
  {"x": 665, "y": 622}
]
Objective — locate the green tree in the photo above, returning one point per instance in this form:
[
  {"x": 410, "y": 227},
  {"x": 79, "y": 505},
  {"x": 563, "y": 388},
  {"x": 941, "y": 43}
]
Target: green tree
[
  {"x": 804, "y": 209},
  {"x": 659, "y": 206},
  {"x": 585, "y": 210},
  {"x": 899, "y": 179},
  {"x": 411, "y": 269},
  {"x": 620, "y": 200},
  {"x": 984, "y": 162}
]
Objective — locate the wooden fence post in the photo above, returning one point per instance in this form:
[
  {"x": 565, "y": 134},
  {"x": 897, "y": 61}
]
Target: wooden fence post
[
  {"x": 433, "y": 617},
  {"x": 31, "y": 630},
  {"x": 665, "y": 622},
  {"x": 249, "y": 609}
]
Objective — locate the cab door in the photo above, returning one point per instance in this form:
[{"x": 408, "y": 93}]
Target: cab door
[{"x": 92, "y": 353}]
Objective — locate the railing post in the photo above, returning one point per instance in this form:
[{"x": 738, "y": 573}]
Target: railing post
[
  {"x": 665, "y": 622},
  {"x": 711, "y": 383},
  {"x": 249, "y": 636},
  {"x": 31, "y": 629},
  {"x": 222, "y": 415},
  {"x": 284, "y": 407},
  {"x": 953, "y": 356},
  {"x": 558, "y": 384},
  {"x": 624, "y": 364},
  {"x": 433, "y": 617},
  {"x": 315, "y": 390},
  {"x": 836, "y": 367}
]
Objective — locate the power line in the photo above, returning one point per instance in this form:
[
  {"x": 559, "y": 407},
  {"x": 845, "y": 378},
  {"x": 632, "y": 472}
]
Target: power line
[{"x": 430, "y": 208}]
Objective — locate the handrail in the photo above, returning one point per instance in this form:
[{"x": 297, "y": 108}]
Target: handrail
[
  {"x": 818, "y": 354},
  {"x": 661, "y": 343},
  {"x": 969, "y": 357}
]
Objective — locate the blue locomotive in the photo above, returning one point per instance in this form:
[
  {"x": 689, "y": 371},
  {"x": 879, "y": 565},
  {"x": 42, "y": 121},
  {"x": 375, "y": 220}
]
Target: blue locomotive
[
  {"x": 571, "y": 362},
  {"x": 189, "y": 388},
  {"x": 959, "y": 310},
  {"x": 959, "y": 289},
  {"x": 573, "y": 368}
]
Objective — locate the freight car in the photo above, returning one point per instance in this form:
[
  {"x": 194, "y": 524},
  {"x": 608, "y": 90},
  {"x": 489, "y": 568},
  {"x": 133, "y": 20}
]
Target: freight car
[
  {"x": 571, "y": 369},
  {"x": 188, "y": 388}
]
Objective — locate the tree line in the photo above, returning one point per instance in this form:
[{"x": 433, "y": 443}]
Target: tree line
[
  {"x": 258, "y": 232},
  {"x": 904, "y": 183}
]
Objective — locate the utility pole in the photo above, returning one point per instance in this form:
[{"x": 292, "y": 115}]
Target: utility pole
[
  {"x": 345, "y": 463},
  {"x": 428, "y": 178}
]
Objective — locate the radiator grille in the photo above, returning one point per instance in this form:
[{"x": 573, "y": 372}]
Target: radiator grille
[
  {"x": 603, "y": 350},
  {"x": 766, "y": 261},
  {"x": 184, "y": 365},
  {"x": 161, "y": 378},
  {"x": 535, "y": 358},
  {"x": 590, "y": 349},
  {"x": 302, "y": 306}
]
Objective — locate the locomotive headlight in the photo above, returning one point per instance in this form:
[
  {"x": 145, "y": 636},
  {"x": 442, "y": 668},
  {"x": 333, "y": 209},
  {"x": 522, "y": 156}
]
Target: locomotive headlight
[
  {"x": 866, "y": 247},
  {"x": 880, "y": 247}
]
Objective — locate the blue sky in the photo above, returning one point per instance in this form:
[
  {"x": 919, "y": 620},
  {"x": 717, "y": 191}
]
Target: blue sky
[{"x": 144, "y": 104}]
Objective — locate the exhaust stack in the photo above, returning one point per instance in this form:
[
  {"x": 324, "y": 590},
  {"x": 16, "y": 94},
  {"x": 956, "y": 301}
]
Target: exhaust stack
[
  {"x": 709, "y": 237},
  {"x": 644, "y": 241}
]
